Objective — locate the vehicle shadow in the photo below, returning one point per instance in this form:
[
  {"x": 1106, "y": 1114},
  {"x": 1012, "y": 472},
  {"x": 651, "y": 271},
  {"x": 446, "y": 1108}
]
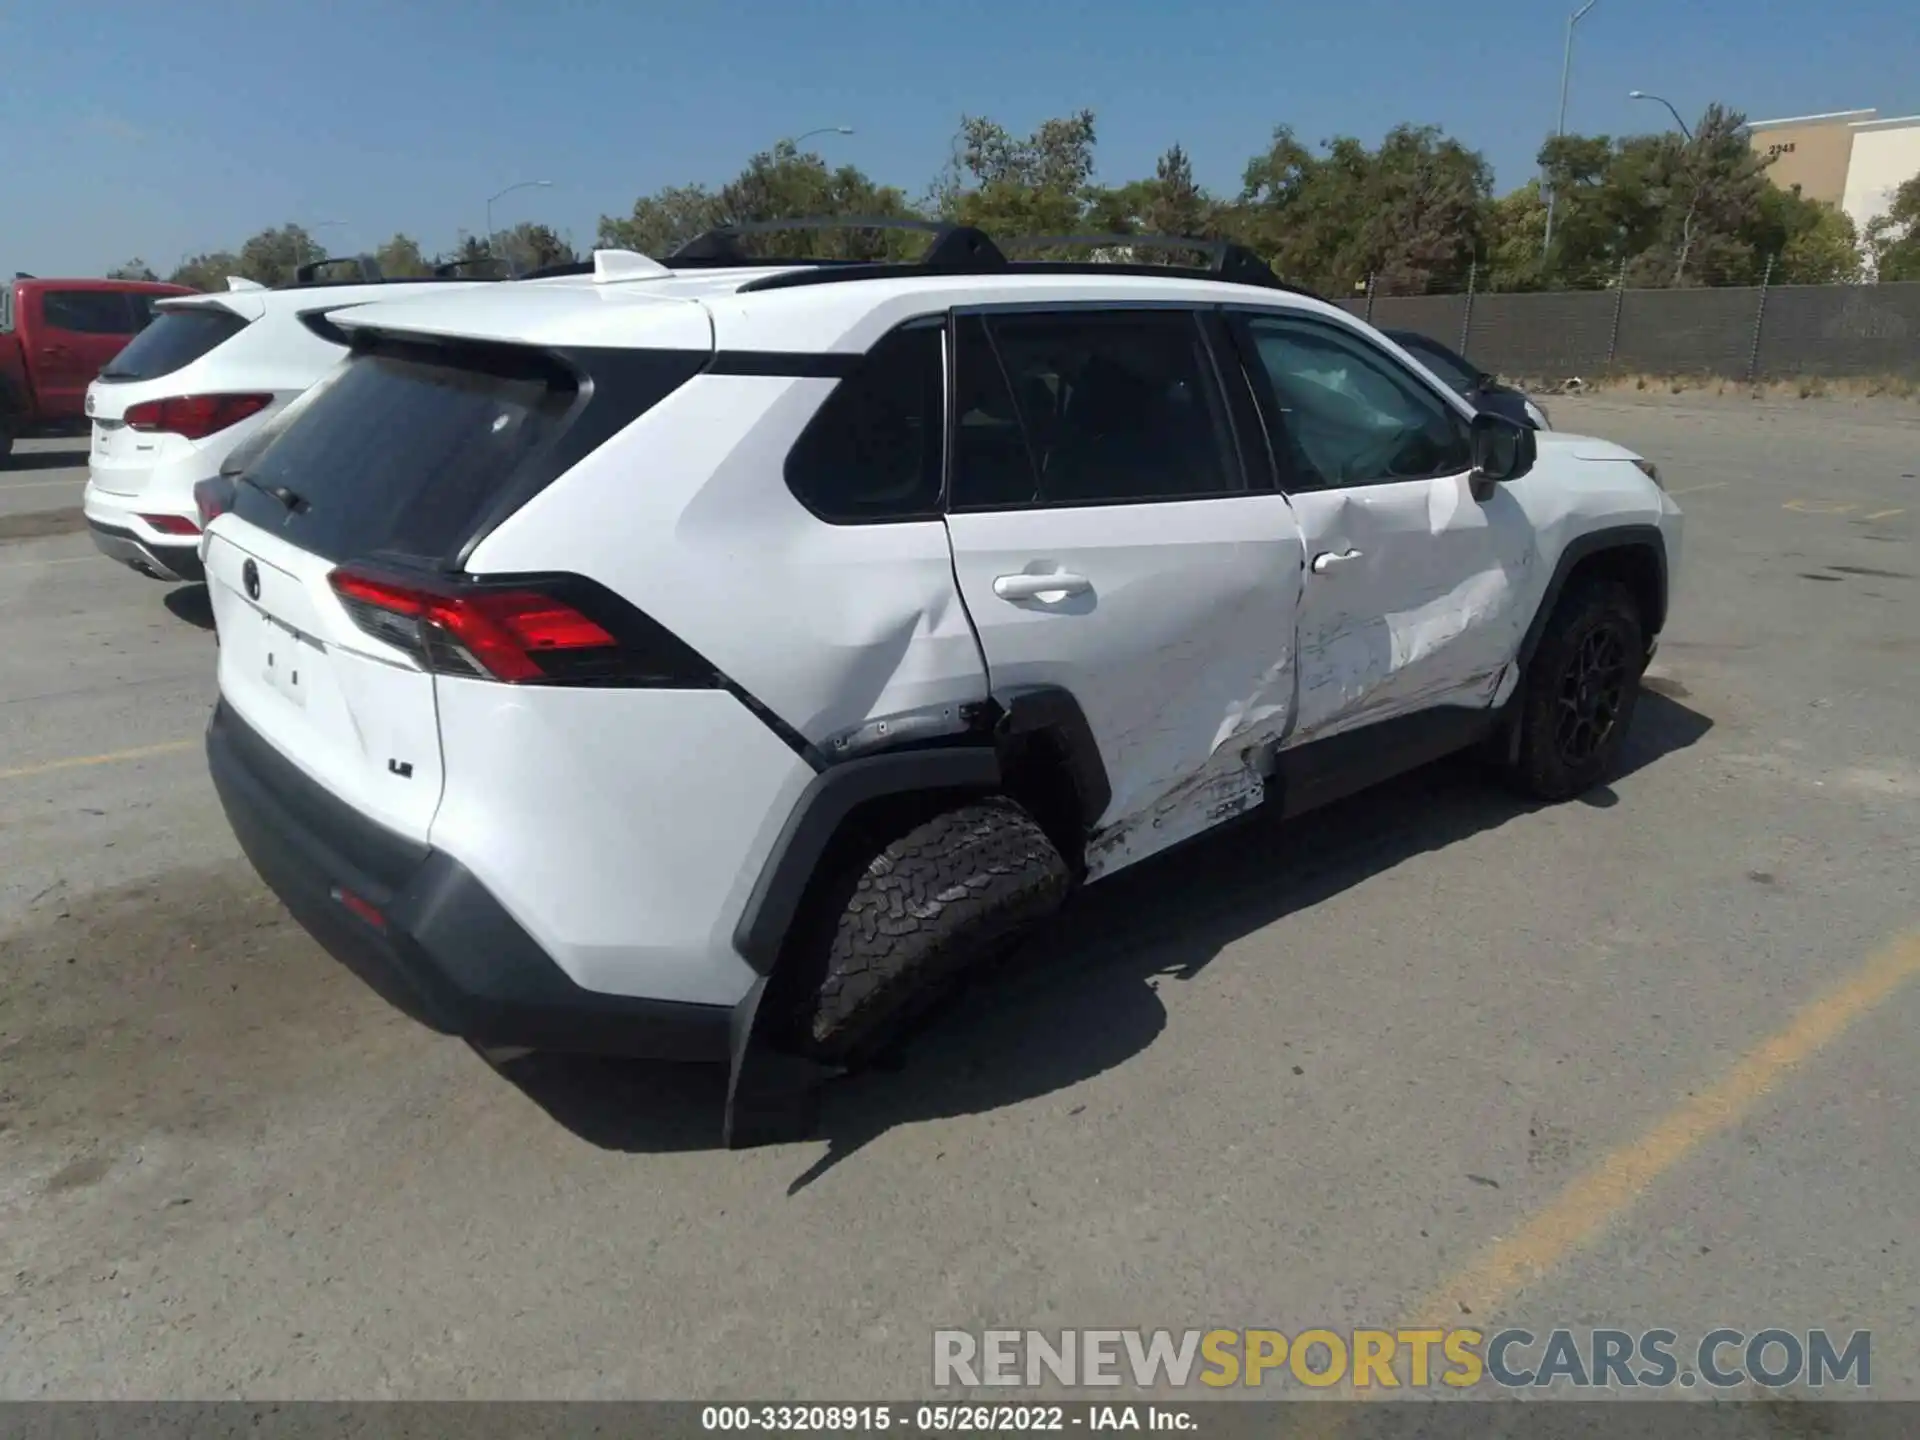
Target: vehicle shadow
[
  {"x": 1081, "y": 997},
  {"x": 45, "y": 460},
  {"x": 191, "y": 603}
]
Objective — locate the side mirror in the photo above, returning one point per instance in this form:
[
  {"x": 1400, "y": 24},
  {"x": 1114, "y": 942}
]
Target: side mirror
[{"x": 1503, "y": 450}]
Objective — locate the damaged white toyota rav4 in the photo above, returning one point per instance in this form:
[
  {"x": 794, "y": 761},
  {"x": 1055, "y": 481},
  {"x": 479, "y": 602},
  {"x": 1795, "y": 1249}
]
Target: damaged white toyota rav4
[{"x": 712, "y": 658}]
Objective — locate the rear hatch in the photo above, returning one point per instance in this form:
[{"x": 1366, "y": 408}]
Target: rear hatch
[
  {"x": 324, "y": 574},
  {"x": 183, "y": 332}
]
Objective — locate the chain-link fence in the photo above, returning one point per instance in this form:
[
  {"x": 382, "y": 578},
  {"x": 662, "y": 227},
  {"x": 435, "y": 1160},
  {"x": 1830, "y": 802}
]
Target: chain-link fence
[{"x": 1741, "y": 332}]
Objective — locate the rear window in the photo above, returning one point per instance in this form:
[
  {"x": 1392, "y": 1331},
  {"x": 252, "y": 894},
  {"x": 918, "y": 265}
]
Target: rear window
[
  {"x": 90, "y": 312},
  {"x": 411, "y": 450},
  {"x": 403, "y": 452},
  {"x": 173, "y": 341}
]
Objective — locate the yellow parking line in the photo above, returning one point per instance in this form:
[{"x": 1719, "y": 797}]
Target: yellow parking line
[
  {"x": 1610, "y": 1187},
  {"x": 1696, "y": 489},
  {"x": 48, "y": 766},
  {"x": 1883, "y": 514},
  {"x": 1820, "y": 507}
]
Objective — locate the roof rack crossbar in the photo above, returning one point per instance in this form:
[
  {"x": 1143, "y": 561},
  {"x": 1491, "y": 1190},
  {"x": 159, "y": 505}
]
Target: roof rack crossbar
[
  {"x": 953, "y": 245},
  {"x": 1225, "y": 259}
]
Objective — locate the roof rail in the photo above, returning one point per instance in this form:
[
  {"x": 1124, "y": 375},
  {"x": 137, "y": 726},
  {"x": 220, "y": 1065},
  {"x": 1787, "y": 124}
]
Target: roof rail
[
  {"x": 965, "y": 249},
  {"x": 502, "y": 265},
  {"x": 953, "y": 247},
  {"x": 547, "y": 272},
  {"x": 1225, "y": 259}
]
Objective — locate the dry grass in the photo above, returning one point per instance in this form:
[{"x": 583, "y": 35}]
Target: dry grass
[{"x": 1809, "y": 387}]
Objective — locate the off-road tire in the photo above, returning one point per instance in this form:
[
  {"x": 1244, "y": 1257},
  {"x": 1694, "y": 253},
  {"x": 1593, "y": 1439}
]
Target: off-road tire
[
  {"x": 954, "y": 891},
  {"x": 1580, "y": 692}
]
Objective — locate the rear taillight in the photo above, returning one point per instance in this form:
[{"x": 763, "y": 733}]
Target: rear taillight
[
  {"x": 172, "y": 524},
  {"x": 549, "y": 630},
  {"x": 194, "y": 416},
  {"x": 212, "y": 497}
]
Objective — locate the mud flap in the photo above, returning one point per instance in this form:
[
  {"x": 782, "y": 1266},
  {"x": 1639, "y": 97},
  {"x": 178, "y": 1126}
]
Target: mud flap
[{"x": 773, "y": 1096}]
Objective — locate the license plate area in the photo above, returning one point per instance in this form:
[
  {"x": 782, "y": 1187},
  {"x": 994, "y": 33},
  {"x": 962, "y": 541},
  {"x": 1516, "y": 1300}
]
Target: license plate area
[{"x": 285, "y": 655}]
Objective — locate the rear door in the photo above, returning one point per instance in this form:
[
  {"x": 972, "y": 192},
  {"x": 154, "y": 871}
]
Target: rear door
[
  {"x": 80, "y": 330},
  {"x": 388, "y": 467},
  {"x": 1109, "y": 540}
]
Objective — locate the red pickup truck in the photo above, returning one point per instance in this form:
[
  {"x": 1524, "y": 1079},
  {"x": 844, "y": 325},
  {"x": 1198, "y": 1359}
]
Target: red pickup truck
[{"x": 55, "y": 335}]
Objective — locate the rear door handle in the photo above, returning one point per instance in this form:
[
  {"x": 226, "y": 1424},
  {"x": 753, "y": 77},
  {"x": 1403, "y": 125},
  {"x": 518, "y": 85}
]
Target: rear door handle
[
  {"x": 1036, "y": 587},
  {"x": 1325, "y": 562}
]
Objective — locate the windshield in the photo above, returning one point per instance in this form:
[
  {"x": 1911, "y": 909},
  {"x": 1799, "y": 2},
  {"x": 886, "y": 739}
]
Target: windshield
[{"x": 174, "y": 340}]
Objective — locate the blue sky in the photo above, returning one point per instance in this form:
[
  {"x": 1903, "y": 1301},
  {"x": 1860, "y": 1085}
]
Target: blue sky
[{"x": 136, "y": 129}]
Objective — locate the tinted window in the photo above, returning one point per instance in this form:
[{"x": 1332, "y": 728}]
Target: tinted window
[
  {"x": 175, "y": 339},
  {"x": 1112, "y": 406},
  {"x": 400, "y": 454},
  {"x": 873, "y": 450},
  {"x": 1437, "y": 358},
  {"x": 1348, "y": 414},
  {"x": 89, "y": 312}
]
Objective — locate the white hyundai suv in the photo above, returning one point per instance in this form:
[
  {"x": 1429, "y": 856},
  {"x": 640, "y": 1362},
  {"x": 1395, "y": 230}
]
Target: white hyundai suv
[
  {"x": 712, "y": 659},
  {"x": 209, "y": 372}
]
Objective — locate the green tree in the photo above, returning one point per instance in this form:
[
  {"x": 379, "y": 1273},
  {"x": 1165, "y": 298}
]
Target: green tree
[
  {"x": 1516, "y": 228},
  {"x": 134, "y": 269},
  {"x": 1011, "y": 186},
  {"x": 1411, "y": 214},
  {"x": 783, "y": 183},
  {"x": 1893, "y": 239},
  {"x": 207, "y": 271},
  {"x": 400, "y": 258},
  {"x": 529, "y": 246},
  {"x": 273, "y": 256},
  {"x": 663, "y": 221},
  {"x": 1812, "y": 243}
]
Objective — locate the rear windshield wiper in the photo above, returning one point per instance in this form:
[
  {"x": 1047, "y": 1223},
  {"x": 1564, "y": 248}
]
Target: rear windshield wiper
[{"x": 287, "y": 496}]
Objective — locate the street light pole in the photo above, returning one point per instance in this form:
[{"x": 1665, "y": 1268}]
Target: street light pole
[
  {"x": 823, "y": 130},
  {"x": 1699, "y": 180},
  {"x": 1643, "y": 95},
  {"x": 517, "y": 185},
  {"x": 1566, "y": 76}
]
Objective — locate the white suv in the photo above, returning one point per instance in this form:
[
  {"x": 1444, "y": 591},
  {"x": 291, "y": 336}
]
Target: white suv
[
  {"x": 209, "y": 372},
  {"x": 710, "y": 660}
]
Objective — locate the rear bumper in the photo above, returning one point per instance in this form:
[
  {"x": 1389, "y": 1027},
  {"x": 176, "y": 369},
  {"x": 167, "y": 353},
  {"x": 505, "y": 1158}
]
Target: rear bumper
[
  {"x": 171, "y": 563},
  {"x": 448, "y": 955}
]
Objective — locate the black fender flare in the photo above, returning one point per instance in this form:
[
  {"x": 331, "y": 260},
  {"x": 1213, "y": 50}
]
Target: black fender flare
[
  {"x": 832, "y": 795},
  {"x": 1584, "y": 547}
]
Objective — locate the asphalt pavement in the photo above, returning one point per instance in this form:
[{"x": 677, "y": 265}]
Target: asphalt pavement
[{"x": 1644, "y": 1060}]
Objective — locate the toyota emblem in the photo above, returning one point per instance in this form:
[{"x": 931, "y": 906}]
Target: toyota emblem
[{"x": 250, "y": 577}]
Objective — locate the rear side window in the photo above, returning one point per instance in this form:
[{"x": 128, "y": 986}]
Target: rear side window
[
  {"x": 6, "y": 309},
  {"x": 872, "y": 452},
  {"x": 89, "y": 312},
  {"x": 408, "y": 451},
  {"x": 1115, "y": 407},
  {"x": 173, "y": 341}
]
